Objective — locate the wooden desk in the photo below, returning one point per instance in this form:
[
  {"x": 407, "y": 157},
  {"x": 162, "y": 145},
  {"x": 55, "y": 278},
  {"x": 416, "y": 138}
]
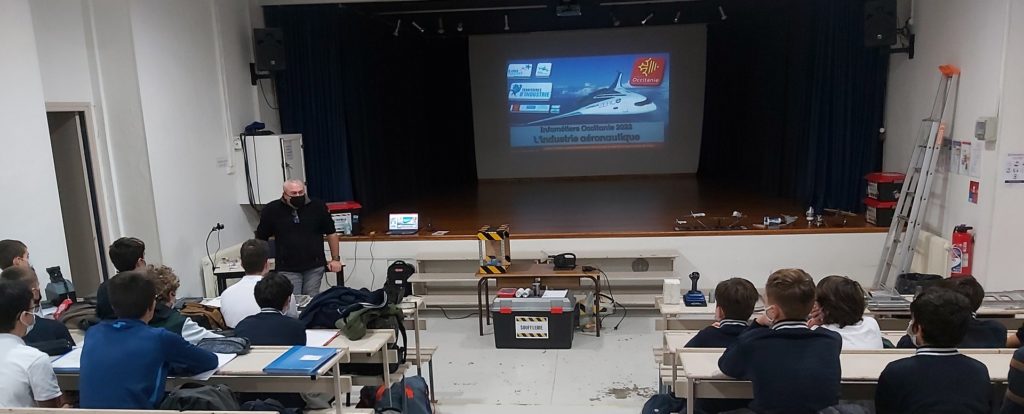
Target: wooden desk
[
  {"x": 860, "y": 371},
  {"x": 676, "y": 340},
  {"x": 521, "y": 273},
  {"x": 375, "y": 341},
  {"x": 245, "y": 374}
]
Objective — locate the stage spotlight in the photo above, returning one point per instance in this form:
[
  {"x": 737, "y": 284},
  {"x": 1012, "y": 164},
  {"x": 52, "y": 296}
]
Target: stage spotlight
[
  {"x": 721, "y": 12},
  {"x": 459, "y": 27},
  {"x": 615, "y": 20},
  {"x": 648, "y": 18},
  {"x": 397, "y": 26},
  {"x": 506, "y": 22},
  {"x": 676, "y": 19},
  {"x": 417, "y": 26},
  {"x": 440, "y": 25}
]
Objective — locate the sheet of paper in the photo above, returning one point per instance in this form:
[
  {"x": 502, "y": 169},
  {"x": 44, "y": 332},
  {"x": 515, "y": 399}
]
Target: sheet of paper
[
  {"x": 215, "y": 302},
  {"x": 555, "y": 293},
  {"x": 310, "y": 358},
  {"x": 319, "y": 337},
  {"x": 965, "y": 158},
  {"x": 1013, "y": 169},
  {"x": 222, "y": 359},
  {"x": 69, "y": 362},
  {"x": 954, "y": 158},
  {"x": 975, "y": 170}
]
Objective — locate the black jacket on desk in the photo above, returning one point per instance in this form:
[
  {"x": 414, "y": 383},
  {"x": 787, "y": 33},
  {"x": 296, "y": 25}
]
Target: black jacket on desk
[
  {"x": 48, "y": 330},
  {"x": 721, "y": 337},
  {"x": 935, "y": 380},
  {"x": 270, "y": 327},
  {"x": 980, "y": 334},
  {"x": 103, "y": 309},
  {"x": 298, "y": 234},
  {"x": 792, "y": 368}
]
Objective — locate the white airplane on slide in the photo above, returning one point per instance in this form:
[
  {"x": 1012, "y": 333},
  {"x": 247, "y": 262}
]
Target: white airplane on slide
[{"x": 613, "y": 100}]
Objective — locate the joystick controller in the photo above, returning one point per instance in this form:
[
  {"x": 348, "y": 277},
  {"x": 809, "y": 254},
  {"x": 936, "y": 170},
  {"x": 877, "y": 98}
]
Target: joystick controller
[{"x": 694, "y": 297}]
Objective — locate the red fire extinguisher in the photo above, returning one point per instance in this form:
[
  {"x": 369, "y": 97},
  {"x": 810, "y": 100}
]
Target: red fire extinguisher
[{"x": 962, "y": 250}]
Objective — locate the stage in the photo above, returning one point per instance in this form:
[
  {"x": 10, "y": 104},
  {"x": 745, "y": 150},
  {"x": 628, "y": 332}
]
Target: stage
[{"x": 600, "y": 207}]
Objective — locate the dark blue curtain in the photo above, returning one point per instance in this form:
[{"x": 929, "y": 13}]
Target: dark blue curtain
[
  {"x": 793, "y": 101},
  {"x": 384, "y": 118}
]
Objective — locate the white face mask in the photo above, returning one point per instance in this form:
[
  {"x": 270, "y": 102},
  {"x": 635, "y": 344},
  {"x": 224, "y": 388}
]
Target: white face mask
[
  {"x": 910, "y": 333},
  {"x": 31, "y": 325}
]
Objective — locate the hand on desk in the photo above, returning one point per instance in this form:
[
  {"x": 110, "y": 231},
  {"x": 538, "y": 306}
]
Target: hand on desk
[{"x": 334, "y": 266}]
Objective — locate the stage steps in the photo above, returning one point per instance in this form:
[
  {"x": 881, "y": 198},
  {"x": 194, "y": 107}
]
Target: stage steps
[{"x": 448, "y": 279}]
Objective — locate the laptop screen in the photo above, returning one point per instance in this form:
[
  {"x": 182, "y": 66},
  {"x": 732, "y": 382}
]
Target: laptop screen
[{"x": 404, "y": 222}]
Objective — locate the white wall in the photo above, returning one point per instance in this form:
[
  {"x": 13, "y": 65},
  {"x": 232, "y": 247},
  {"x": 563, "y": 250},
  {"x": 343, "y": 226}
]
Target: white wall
[
  {"x": 31, "y": 208},
  {"x": 188, "y": 121},
  {"x": 64, "y": 66},
  {"x": 971, "y": 35}
]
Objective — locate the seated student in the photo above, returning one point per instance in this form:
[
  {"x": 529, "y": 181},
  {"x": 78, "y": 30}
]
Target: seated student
[
  {"x": 26, "y": 376},
  {"x": 792, "y": 368},
  {"x": 127, "y": 254},
  {"x": 125, "y": 363},
  {"x": 271, "y": 327},
  {"x": 735, "y": 299},
  {"x": 165, "y": 316},
  {"x": 937, "y": 379},
  {"x": 980, "y": 333},
  {"x": 13, "y": 253},
  {"x": 237, "y": 302},
  {"x": 840, "y": 307},
  {"x": 1013, "y": 401},
  {"x": 45, "y": 330}
]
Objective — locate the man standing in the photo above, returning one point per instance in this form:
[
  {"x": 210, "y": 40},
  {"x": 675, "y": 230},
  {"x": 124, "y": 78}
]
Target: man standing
[{"x": 298, "y": 225}]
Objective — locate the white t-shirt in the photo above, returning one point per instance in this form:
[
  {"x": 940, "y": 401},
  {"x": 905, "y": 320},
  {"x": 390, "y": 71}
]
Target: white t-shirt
[
  {"x": 239, "y": 302},
  {"x": 26, "y": 375},
  {"x": 861, "y": 335}
]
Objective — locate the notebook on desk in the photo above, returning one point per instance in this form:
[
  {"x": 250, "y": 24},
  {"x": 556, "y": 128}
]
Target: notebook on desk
[{"x": 300, "y": 360}]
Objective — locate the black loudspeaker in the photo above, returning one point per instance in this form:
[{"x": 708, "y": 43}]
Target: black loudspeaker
[
  {"x": 879, "y": 23},
  {"x": 269, "y": 49}
]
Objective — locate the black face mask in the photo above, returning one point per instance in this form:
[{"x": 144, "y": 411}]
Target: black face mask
[{"x": 296, "y": 202}]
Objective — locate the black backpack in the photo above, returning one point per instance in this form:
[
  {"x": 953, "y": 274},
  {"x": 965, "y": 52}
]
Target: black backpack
[
  {"x": 332, "y": 304},
  {"x": 195, "y": 396},
  {"x": 398, "y": 276}
]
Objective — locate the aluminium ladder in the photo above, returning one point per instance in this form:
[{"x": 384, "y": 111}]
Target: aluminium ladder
[{"x": 898, "y": 252}]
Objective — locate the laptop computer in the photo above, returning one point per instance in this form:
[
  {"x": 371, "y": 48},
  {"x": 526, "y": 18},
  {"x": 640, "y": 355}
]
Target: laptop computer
[{"x": 403, "y": 224}]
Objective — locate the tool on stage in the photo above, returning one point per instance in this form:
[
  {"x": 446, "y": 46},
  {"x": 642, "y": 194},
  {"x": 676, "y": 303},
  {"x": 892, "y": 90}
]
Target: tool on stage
[
  {"x": 694, "y": 297},
  {"x": 564, "y": 261},
  {"x": 898, "y": 252},
  {"x": 718, "y": 223}
]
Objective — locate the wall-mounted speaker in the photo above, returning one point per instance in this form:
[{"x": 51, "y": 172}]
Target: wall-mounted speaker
[
  {"x": 269, "y": 49},
  {"x": 879, "y": 23}
]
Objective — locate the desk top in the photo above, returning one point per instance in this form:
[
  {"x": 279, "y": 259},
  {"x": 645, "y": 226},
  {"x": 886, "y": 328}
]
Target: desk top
[
  {"x": 259, "y": 357},
  {"x": 375, "y": 340},
  {"x": 862, "y": 366},
  {"x": 676, "y": 340},
  {"x": 539, "y": 270}
]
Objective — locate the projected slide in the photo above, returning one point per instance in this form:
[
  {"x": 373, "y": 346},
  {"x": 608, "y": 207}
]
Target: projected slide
[{"x": 588, "y": 101}]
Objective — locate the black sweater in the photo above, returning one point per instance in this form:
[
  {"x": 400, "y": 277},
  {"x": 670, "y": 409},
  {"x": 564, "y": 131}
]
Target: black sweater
[
  {"x": 270, "y": 327},
  {"x": 936, "y": 380},
  {"x": 785, "y": 363},
  {"x": 725, "y": 334},
  {"x": 980, "y": 334}
]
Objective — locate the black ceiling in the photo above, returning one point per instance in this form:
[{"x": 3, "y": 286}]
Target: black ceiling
[{"x": 488, "y": 16}]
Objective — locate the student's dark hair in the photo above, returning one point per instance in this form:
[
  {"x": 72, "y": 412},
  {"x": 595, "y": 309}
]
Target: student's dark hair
[
  {"x": 841, "y": 300},
  {"x": 273, "y": 291},
  {"x": 254, "y": 254},
  {"x": 967, "y": 286},
  {"x": 131, "y": 294},
  {"x": 792, "y": 290},
  {"x": 736, "y": 297},
  {"x": 942, "y": 315},
  {"x": 10, "y": 250},
  {"x": 126, "y": 252},
  {"x": 19, "y": 274},
  {"x": 15, "y": 298}
]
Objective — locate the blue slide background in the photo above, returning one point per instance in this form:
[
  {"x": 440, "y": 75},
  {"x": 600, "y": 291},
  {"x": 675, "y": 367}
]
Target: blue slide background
[{"x": 574, "y": 78}]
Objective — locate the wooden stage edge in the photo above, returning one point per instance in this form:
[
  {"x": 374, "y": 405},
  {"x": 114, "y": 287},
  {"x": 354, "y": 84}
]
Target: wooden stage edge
[{"x": 602, "y": 235}]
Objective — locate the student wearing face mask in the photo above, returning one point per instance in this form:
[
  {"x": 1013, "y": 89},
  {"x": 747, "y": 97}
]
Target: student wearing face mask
[
  {"x": 26, "y": 375},
  {"x": 271, "y": 327},
  {"x": 45, "y": 331},
  {"x": 298, "y": 225}
]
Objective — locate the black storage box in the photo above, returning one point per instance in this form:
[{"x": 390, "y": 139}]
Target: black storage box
[
  {"x": 879, "y": 213},
  {"x": 884, "y": 186},
  {"x": 534, "y": 323}
]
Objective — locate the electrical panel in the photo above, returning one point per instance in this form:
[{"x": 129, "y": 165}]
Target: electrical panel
[{"x": 269, "y": 160}]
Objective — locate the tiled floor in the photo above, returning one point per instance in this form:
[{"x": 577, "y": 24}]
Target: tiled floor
[{"x": 611, "y": 374}]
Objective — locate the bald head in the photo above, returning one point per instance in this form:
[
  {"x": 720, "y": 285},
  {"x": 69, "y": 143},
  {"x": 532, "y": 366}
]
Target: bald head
[{"x": 294, "y": 193}]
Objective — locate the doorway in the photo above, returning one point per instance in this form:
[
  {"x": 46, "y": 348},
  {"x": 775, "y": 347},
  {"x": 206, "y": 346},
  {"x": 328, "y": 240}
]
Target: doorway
[{"x": 76, "y": 185}]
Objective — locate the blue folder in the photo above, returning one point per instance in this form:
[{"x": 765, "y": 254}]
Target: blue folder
[{"x": 300, "y": 360}]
